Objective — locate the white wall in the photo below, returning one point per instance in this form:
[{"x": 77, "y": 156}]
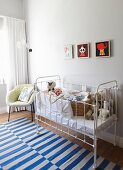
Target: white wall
[
  {"x": 11, "y": 8},
  {"x": 52, "y": 24}
]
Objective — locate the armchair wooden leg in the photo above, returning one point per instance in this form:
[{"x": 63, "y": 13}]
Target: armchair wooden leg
[
  {"x": 9, "y": 113},
  {"x": 32, "y": 111},
  {"x": 33, "y": 107}
]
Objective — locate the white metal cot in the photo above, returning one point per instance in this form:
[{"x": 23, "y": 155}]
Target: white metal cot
[{"x": 82, "y": 108}]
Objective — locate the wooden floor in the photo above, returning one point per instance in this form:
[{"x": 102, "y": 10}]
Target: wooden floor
[{"x": 105, "y": 149}]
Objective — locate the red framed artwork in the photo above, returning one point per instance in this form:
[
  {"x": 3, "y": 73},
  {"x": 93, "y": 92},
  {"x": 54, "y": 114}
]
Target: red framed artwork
[
  {"x": 83, "y": 50},
  {"x": 103, "y": 49}
]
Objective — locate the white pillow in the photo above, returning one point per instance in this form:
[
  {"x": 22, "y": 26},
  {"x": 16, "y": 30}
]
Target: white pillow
[{"x": 25, "y": 94}]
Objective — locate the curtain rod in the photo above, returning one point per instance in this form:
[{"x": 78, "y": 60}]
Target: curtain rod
[{"x": 12, "y": 18}]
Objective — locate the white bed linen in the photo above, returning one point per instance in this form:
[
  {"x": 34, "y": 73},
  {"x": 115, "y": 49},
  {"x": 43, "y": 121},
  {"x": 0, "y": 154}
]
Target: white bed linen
[
  {"x": 60, "y": 107},
  {"x": 65, "y": 116}
]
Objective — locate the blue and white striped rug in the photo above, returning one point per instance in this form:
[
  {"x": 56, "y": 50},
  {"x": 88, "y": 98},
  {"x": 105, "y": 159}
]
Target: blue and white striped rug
[{"x": 21, "y": 148}]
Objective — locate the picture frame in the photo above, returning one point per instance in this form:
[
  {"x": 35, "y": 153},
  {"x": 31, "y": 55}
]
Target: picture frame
[
  {"x": 68, "y": 51},
  {"x": 103, "y": 49},
  {"x": 83, "y": 50}
]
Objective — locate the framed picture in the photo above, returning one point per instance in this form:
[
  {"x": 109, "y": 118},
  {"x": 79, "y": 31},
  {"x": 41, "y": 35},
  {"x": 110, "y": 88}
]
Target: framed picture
[
  {"x": 68, "y": 50},
  {"x": 83, "y": 50},
  {"x": 103, "y": 49}
]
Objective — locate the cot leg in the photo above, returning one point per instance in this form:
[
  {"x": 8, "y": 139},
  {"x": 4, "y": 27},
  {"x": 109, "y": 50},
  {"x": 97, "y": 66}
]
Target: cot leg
[
  {"x": 36, "y": 125},
  {"x": 115, "y": 131},
  {"x": 95, "y": 152},
  {"x": 33, "y": 107},
  {"x": 9, "y": 113}
]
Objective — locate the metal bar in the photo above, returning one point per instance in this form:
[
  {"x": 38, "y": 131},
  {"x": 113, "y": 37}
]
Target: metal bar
[
  {"x": 43, "y": 77},
  {"x": 84, "y": 123},
  {"x": 95, "y": 151},
  {"x": 115, "y": 132},
  {"x": 109, "y": 82},
  {"x": 115, "y": 125},
  {"x": 37, "y": 131},
  {"x": 95, "y": 127}
]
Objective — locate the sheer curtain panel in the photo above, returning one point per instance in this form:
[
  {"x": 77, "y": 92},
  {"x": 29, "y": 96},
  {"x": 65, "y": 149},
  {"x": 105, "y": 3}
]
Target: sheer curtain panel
[
  {"x": 18, "y": 73},
  {"x": 4, "y": 50}
]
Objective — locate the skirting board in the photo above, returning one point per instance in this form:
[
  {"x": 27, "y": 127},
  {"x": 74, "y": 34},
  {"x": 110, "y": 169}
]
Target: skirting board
[
  {"x": 3, "y": 110},
  {"x": 110, "y": 138}
]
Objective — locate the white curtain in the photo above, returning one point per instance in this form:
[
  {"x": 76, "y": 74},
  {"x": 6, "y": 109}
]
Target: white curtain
[
  {"x": 4, "y": 50},
  {"x": 18, "y": 71}
]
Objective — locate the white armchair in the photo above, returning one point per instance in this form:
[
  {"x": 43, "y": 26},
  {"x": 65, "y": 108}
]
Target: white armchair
[{"x": 12, "y": 99}]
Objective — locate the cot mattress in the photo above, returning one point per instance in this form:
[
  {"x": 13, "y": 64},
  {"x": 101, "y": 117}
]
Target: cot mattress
[{"x": 78, "y": 123}]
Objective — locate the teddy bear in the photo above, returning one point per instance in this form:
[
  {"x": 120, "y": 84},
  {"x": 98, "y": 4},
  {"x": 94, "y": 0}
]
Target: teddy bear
[
  {"x": 57, "y": 91},
  {"x": 89, "y": 115},
  {"x": 104, "y": 114}
]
